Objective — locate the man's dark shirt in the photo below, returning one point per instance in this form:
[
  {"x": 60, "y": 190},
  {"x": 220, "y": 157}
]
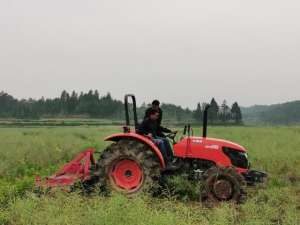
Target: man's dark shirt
[
  {"x": 147, "y": 114},
  {"x": 159, "y": 129},
  {"x": 148, "y": 126},
  {"x": 152, "y": 127}
]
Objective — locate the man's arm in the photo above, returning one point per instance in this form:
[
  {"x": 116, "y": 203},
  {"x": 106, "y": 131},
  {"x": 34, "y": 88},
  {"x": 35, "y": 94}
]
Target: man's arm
[
  {"x": 160, "y": 116},
  {"x": 146, "y": 129},
  {"x": 142, "y": 129},
  {"x": 147, "y": 113},
  {"x": 164, "y": 129}
]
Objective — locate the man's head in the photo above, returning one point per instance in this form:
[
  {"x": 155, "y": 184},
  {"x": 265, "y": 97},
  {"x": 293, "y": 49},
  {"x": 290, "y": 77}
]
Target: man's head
[
  {"x": 155, "y": 104},
  {"x": 153, "y": 114}
]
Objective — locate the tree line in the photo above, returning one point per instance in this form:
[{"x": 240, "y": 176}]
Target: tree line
[
  {"x": 87, "y": 104},
  {"x": 219, "y": 114},
  {"x": 92, "y": 105},
  {"x": 287, "y": 113}
]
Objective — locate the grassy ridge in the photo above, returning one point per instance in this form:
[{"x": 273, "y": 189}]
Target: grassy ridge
[
  {"x": 26, "y": 152},
  {"x": 58, "y": 122}
]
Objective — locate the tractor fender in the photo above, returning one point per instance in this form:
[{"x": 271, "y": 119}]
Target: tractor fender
[{"x": 140, "y": 138}]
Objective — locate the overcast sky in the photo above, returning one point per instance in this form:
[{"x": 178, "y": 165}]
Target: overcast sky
[{"x": 178, "y": 51}]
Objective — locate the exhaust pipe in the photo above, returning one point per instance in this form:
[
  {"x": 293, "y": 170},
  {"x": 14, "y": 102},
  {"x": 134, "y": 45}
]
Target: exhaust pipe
[{"x": 204, "y": 134}]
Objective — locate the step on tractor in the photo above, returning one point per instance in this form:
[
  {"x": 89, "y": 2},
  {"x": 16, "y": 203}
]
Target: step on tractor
[{"x": 133, "y": 163}]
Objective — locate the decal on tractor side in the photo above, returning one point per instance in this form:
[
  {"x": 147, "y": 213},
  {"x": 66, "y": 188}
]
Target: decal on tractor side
[
  {"x": 212, "y": 146},
  {"x": 197, "y": 141}
]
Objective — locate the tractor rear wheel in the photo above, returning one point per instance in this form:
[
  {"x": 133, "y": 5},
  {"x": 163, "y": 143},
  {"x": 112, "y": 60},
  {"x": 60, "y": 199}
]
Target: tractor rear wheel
[
  {"x": 224, "y": 184},
  {"x": 128, "y": 167}
]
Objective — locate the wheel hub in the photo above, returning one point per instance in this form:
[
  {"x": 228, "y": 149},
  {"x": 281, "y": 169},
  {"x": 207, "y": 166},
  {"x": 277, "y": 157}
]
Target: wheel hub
[
  {"x": 126, "y": 175},
  {"x": 222, "y": 189}
]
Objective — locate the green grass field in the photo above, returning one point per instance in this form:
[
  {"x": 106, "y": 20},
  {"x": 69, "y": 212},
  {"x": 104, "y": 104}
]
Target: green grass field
[{"x": 26, "y": 152}]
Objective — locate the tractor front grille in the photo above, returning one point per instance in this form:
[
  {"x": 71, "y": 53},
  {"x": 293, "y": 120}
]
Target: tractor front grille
[{"x": 237, "y": 158}]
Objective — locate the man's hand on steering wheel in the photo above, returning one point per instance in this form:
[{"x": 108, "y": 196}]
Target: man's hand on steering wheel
[{"x": 172, "y": 136}]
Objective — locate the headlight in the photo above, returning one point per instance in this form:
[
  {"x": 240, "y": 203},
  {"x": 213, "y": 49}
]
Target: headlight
[{"x": 237, "y": 158}]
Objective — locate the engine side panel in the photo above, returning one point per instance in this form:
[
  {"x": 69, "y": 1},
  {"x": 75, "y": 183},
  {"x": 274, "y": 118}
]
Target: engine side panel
[{"x": 207, "y": 149}]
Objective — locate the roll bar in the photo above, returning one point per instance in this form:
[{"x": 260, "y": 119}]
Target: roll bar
[{"x": 126, "y": 104}]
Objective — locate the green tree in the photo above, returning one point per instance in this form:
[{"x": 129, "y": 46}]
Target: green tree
[
  {"x": 213, "y": 111},
  {"x": 224, "y": 113},
  {"x": 197, "y": 114},
  {"x": 236, "y": 113},
  {"x": 64, "y": 99},
  {"x": 72, "y": 103},
  {"x": 8, "y": 105}
]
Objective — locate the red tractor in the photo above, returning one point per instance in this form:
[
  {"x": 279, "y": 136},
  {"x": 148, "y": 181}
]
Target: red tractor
[{"x": 133, "y": 163}]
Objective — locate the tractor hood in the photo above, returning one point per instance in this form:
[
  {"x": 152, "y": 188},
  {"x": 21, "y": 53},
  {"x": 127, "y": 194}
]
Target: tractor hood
[{"x": 220, "y": 143}]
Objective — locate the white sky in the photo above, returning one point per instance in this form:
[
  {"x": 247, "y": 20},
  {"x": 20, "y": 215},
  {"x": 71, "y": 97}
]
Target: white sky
[{"x": 178, "y": 51}]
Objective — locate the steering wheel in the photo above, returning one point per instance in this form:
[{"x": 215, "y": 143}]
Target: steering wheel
[
  {"x": 172, "y": 136},
  {"x": 188, "y": 130}
]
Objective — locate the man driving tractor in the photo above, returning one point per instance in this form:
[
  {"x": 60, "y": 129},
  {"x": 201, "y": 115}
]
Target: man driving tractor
[
  {"x": 150, "y": 127},
  {"x": 161, "y": 130}
]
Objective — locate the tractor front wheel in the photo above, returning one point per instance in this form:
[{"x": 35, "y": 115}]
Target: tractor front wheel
[{"x": 224, "y": 184}]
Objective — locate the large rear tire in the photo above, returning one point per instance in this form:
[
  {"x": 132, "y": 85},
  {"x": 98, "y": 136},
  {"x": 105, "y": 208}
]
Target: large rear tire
[
  {"x": 224, "y": 184},
  {"x": 129, "y": 167}
]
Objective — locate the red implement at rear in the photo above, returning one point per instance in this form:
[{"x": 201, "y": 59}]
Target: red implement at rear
[{"x": 76, "y": 170}]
